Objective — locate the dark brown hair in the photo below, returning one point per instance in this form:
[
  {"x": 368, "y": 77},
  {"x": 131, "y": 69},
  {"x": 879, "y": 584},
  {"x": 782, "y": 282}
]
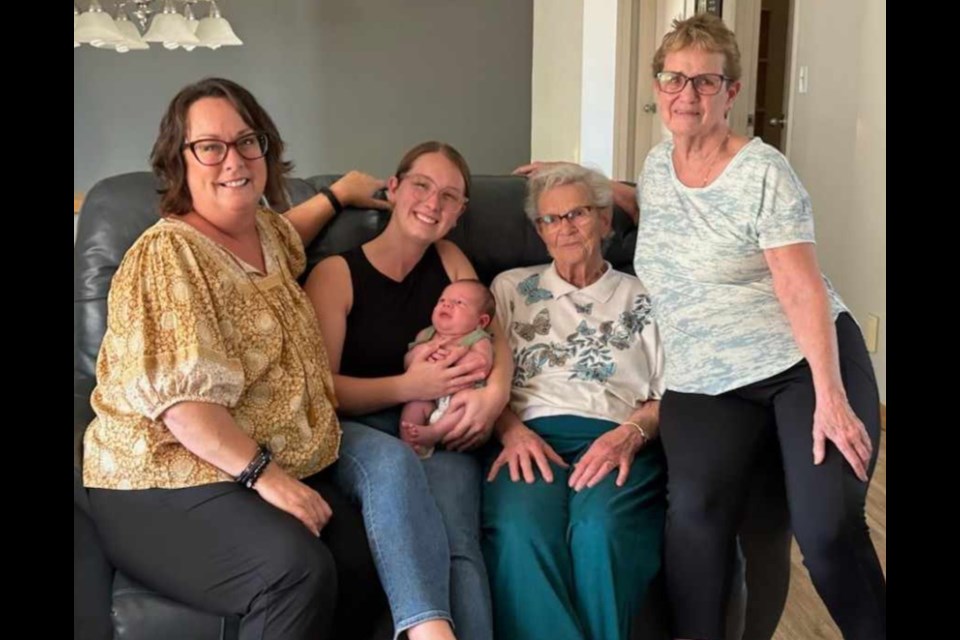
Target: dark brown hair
[
  {"x": 167, "y": 155},
  {"x": 444, "y": 149}
]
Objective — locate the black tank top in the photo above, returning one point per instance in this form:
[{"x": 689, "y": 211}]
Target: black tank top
[{"x": 386, "y": 315}]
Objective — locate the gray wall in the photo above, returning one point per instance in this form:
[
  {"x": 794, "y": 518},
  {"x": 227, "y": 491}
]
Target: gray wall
[{"x": 350, "y": 84}]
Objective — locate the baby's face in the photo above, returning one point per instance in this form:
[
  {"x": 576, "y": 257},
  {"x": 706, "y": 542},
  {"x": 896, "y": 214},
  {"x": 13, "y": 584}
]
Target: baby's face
[{"x": 459, "y": 310}]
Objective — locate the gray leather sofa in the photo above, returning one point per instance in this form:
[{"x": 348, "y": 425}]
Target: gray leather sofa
[{"x": 495, "y": 235}]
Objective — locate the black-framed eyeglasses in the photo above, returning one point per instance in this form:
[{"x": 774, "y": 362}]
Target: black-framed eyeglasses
[
  {"x": 553, "y": 220},
  {"x": 210, "y": 151},
  {"x": 705, "y": 84}
]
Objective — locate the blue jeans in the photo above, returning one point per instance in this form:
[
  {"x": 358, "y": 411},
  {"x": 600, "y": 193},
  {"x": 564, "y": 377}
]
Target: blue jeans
[{"x": 423, "y": 523}]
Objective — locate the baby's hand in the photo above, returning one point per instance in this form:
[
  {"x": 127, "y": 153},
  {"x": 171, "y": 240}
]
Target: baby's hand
[{"x": 438, "y": 354}]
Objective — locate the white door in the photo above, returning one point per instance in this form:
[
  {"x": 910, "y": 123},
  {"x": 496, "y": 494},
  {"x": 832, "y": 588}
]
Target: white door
[
  {"x": 637, "y": 128},
  {"x": 761, "y": 26},
  {"x": 764, "y": 31}
]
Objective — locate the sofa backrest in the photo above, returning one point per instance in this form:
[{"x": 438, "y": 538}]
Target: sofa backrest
[{"x": 494, "y": 233}]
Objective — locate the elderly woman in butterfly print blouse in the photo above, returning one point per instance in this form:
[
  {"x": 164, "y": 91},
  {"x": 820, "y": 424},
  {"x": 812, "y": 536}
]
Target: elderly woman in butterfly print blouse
[{"x": 576, "y": 491}]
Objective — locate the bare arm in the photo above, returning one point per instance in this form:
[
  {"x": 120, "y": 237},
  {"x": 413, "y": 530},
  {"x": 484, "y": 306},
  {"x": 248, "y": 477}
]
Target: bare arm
[
  {"x": 501, "y": 375},
  {"x": 209, "y": 432},
  {"x": 625, "y": 197},
  {"x": 480, "y": 356},
  {"x": 798, "y": 284},
  {"x": 331, "y": 292},
  {"x": 616, "y": 448},
  {"x": 647, "y": 415},
  {"x": 354, "y": 189}
]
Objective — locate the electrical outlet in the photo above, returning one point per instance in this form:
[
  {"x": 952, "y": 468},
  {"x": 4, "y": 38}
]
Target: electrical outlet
[{"x": 872, "y": 332}]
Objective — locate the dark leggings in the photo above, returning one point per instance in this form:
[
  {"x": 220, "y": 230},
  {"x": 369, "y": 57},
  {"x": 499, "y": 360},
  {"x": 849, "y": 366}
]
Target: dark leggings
[
  {"x": 713, "y": 443},
  {"x": 222, "y": 548}
]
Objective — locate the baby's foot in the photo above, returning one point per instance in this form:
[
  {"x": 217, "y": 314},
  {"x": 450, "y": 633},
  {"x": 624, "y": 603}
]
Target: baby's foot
[
  {"x": 413, "y": 434},
  {"x": 408, "y": 432},
  {"x": 421, "y": 434}
]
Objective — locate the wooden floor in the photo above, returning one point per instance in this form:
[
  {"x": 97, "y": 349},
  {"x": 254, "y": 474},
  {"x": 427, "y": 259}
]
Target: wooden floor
[{"x": 805, "y": 617}]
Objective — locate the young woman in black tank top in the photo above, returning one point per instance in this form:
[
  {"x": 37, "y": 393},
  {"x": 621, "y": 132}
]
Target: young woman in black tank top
[{"x": 371, "y": 301}]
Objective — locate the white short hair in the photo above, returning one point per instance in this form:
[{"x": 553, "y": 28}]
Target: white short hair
[{"x": 550, "y": 177}]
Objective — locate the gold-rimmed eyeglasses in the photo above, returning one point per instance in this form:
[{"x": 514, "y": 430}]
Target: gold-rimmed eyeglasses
[{"x": 424, "y": 187}]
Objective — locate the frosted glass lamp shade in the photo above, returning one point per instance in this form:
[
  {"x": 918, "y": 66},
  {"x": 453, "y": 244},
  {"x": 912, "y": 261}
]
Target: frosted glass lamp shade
[
  {"x": 131, "y": 35},
  {"x": 170, "y": 29},
  {"x": 97, "y": 28},
  {"x": 216, "y": 32}
]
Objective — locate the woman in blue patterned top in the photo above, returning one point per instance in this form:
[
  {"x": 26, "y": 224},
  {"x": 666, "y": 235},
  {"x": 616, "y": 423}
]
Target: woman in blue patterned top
[
  {"x": 758, "y": 346},
  {"x": 574, "y": 508}
]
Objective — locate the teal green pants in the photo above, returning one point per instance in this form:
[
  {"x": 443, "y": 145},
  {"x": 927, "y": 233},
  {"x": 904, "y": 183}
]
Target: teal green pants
[{"x": 573, "y": 566}]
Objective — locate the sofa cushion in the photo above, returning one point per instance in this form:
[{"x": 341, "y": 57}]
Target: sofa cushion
[{"x": 141, "y": 614}]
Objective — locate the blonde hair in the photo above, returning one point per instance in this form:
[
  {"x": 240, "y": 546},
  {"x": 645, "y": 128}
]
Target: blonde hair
[{"x": 706, "y": 32}]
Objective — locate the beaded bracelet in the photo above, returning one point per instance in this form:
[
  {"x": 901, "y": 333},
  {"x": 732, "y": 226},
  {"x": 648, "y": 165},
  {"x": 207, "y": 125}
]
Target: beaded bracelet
[
  {"x": 643, "y": 434},
  {"x": 252, "y": 473}
]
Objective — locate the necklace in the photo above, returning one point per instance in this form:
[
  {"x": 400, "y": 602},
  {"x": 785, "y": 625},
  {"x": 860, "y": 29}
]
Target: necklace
[
  {"x": 713, "y": 159},
  {"x": 716, "y": 154}
]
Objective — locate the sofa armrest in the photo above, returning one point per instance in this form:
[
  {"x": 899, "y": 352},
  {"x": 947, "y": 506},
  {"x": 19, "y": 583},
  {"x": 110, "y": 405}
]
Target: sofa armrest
[
  {"x": 82, "y": 415},
  {"x": 142, "y": 614}
]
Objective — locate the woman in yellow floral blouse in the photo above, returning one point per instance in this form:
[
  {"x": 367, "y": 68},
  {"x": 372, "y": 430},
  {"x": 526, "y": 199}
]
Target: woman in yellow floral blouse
[{"x": 215, "y": 422}]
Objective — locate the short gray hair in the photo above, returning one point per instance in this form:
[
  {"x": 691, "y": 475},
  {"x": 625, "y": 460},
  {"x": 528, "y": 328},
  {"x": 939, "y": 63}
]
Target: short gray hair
[{"x": 596, "y": 184}]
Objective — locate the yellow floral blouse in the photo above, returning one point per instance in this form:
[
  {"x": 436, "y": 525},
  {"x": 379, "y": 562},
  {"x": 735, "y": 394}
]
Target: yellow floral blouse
[{"x": 188, "y": 321}]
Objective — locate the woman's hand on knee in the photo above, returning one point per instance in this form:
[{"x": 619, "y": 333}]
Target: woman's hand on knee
[
  {"x": 288, "y": 494},
  {"x": 834, "y": 420},
  {"x": 522, "y": 449},
  {"x": 613, "y": 450}
]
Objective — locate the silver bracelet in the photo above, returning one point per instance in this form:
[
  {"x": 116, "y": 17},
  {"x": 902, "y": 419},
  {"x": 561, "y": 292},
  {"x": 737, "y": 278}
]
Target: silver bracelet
[{"x": 643, "y": 434}]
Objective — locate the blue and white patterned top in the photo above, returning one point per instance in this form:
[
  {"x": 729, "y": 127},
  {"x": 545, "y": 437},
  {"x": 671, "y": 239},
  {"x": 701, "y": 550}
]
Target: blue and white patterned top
[
  {"x": 592, "y": 352},
  {"x": 700, "y": 252}
]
